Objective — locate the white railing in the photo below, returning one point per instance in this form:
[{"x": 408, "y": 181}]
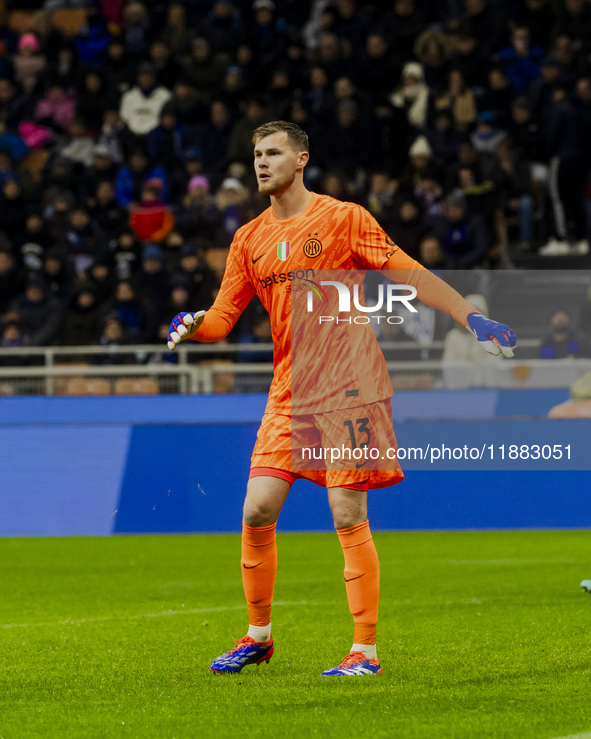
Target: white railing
[{"x": 199, "y": 369}]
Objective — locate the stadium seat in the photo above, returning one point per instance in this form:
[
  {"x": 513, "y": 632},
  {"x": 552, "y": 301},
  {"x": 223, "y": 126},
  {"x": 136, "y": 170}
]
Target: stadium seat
[
  {"x": 21, "y": 21},
  {"x": 135, "y": 386},
  {"x": 69, "y": 20},
  {"x": 87, "y": 386}
]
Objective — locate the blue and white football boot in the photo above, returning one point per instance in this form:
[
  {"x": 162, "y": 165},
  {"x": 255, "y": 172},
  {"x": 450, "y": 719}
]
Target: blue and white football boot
[
  {"x": 355, "y": 663},
  {"x": 246, "y": 652}
]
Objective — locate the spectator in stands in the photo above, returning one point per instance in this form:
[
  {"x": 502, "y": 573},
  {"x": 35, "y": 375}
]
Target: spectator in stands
[
  {"x": 103, "y": 169},
  {"x": 575, "y": 22},
  {"x": 13, "y": 209},
  {"x": 11, "y": 337},
  {"x": 443, "y": 138},
  {"x": 85, "y": 241},
  {"x": 131, "y": 178},
  {"x": 432, "y": 49},
  {"x": 513, "y": 182},
  {"x": 92, "y": 38},
  {"x": 177, "y": 33},
  {"x": 470, "y": 57},
  {"x": 128, "y": 310},
  {"x": 382, "y": 199},
  {"x": 402, "y": 24},
  {"x": 115, "y": 136},
  {"x": 29, "y": 63},
  {"x": 486, "y": 22},
  {"x": 561, "y": 341},
  {"x": 459, "y": 100},
  {"x": 57, "y": 108},
  {"x": 409, "y": 226},
  {"x": 151, "y": 219},
  {"x": 102, "y": 278},
  {"x": 153, "y": 281},
  {"x": 420, "y": 159},
  {"x": 200, "y": 212},
  {"x": 431, "y": 255},
  {"x": 37, "y": 311},
  {"x": 137, "y": 32},
  {"x": 126, "y": 255},
  {"x": 231, "y": 201},
  {"x": 106, "y": 212},
  {"x": 497, "y": 96},
  {"x": 538, "y": 16},
  {"x": 94, "y": 98},
  {"x": 223, "y": 27},
  {"x": 463, "y": 237},
  {"x": 486, "y": 136},
  {"x": 240, "y": 144},
  {"x": 119, "y": 68},
  {"x": 80, "y": 148},
  {"x": 521, "y": 60},
  {"x": 114, "y": 334},
  {"x": 429, "y": 195},
  {"x": 377, "y": 68},
  {"x": 202, "y": 69},
  {"x": 12, "y": 279},
  {"x": 215, "y": 136},
  {"x": 167, "y": 142},
  {"x": 80, "y": 323},
  {"x": 166, "y": 67},
  {"x": 58, "y": 274},
  {"x": 14, "y": 106},
  {"x": 412, "y": 95},
  {"x": 569, "y": 146},
  {"x": 141, "y": 106}
]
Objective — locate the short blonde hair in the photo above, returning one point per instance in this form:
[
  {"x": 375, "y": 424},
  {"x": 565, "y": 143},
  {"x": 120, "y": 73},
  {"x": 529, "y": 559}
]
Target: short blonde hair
[{"x": 297, "y": 137}]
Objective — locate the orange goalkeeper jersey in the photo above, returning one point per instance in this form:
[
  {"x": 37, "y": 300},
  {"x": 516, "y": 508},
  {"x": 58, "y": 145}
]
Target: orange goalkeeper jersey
[{"x": 275, "y": 259}]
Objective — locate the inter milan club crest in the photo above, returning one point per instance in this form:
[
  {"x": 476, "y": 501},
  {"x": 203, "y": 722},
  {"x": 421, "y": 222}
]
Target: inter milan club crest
[
  {"x": 312, "y": 248},
  {"x": 283, "y": 248}
]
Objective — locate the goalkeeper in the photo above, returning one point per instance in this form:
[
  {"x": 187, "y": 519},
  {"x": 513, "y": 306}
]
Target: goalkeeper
[{"x": 343, "y": 403}]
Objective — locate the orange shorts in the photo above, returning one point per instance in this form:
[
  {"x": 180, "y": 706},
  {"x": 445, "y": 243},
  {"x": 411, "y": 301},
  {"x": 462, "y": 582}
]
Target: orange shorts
[{"x": 346, "y": 447}]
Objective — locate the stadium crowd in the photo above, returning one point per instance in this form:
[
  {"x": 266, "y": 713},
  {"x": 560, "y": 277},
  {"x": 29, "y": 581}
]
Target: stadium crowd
[{"x": 125, "y": 149}]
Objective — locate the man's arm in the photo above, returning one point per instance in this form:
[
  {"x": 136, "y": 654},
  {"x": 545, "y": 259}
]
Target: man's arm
[
  {"x": 495, "y": 338},
  {"x": 234, "y": 295}
]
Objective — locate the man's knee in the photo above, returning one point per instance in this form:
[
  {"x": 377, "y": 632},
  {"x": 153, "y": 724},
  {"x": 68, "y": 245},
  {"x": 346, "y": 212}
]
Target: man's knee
[
  {"x": 265, "y": 497},
  {"x": 259, "y": 512},
  {"x": 348, "y": 507}
]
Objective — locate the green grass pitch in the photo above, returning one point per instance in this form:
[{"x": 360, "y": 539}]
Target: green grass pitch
[{"x": 480, "y": 635}]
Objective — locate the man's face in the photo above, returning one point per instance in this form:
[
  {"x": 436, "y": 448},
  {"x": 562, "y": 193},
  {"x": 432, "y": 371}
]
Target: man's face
[
  {"x": 276, "y": 163},
  {"x": 79, "y": 219},
  {"x": 560, "y": 321}
]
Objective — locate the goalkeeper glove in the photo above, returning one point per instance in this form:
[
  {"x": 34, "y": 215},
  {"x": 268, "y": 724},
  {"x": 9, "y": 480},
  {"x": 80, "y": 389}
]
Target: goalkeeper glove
[
  {"x": 184, "y": 326},
  {"x": 492, "y": 336}
]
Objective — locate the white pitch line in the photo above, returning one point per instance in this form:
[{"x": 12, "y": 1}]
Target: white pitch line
[
  {"x": 184, "y": 611},
  {"x": 585, "y": 735}
]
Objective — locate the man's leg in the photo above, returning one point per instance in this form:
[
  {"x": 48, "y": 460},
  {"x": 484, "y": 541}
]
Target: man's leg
[
  {"x": 362, "y": 578},
  {"x": 265, "y": 496}
]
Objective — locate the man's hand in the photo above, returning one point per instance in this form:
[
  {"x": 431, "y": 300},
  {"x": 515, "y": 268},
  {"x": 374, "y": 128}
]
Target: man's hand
[
  {"x": 492, "y": 336},
  {"x": 184, "y": 326}
]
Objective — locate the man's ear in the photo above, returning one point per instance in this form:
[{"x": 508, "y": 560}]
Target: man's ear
[{"x": 303, "y": 157}]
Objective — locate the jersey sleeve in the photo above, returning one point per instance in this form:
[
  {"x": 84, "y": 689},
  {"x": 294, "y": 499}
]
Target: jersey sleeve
[
  {"x": 234, "y": 295},
  {"x": 371, "y": 247},
  {"x": 431, "y": 290}
]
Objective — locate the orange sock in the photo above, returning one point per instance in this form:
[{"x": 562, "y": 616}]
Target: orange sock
[
  {"x": 362, "y": 580},
  {"x": 259, "y": 568}
]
